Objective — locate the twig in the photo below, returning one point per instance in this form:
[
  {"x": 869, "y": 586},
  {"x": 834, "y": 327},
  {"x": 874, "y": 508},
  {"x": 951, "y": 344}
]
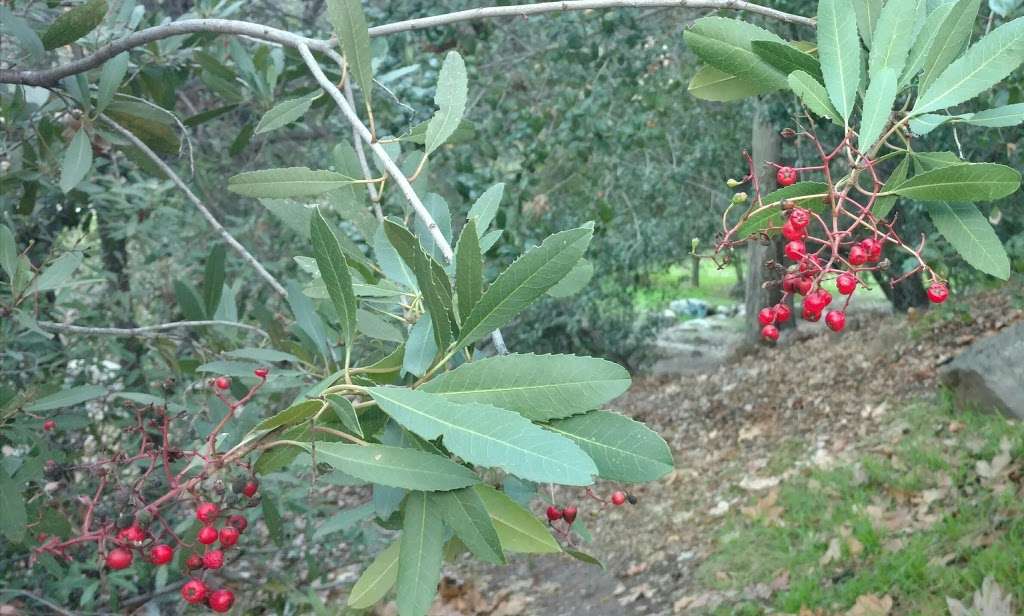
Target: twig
[
  {"x": 357, "y": 143},
  {"x": 148, "y": 330},
  {"x": 230, "y": 239}
]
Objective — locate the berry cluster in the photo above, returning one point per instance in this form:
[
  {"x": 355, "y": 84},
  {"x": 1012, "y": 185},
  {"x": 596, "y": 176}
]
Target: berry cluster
[
  {"x": 568, "y": 514},
  {"x": 129, "y": 516},
  {"x": 832, "y": 236}
]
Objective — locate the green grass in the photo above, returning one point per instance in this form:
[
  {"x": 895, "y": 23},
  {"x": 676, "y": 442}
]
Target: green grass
[
  {"x": 674, "y": 283},
  {"x": 977, "y": 531}
]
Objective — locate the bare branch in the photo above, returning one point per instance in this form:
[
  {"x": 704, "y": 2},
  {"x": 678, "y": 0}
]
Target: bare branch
[
  {"x": 230, "y": 239},
  {"x": 357, "y": 143},
  {"x": 148, "y": 330}
]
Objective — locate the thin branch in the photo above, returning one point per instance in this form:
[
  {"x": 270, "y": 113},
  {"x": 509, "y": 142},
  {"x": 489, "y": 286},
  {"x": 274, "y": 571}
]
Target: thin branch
[
  {"x": 148, "y": 330},
  {"x": 357, "y": 143},
  {"x": 230, "y": 239}
]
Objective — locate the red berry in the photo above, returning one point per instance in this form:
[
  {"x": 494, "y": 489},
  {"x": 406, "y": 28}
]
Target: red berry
[
  {"x": 221, "y": 600},
  {"x": 800, "y": 217},
  {"x": 803, "y": 286},
  {"x": 858, "y": 256},
  {"x": 132, "y": 534},
  {"x": 789, "y": 283},
  {"x": 795, "y": 250},
  {"x": 782, "y": 313},
  {"x": 836, "y": 320},
  {"x": 618, "y": 498},
  {"x": 228, "y": 536},
  {"x": 792, "y": 232},
  {"x": 846, "y": 283},
  {"x": 810, "y": 264},
  {"x": 874, "y": 249},
  {"x": 261, "y": 373},
  {"x": 222, "y": 382},
  {"x": 119, "y": 558},
  {"x": 938, "y": 293},
  {"x": 195, "y": 561},
  {"x": 214, "y": 559},
  {"x": 250, "y": 488},
  {"x": 815, "y": 302},
  {"x": 207, "y": 535},
  {"x": 770, "y": 332},
  {"x": 238, "y": 522},
  {"x": 569, "y": 514},
  {"x": 766, "y": 316},
  {"x": 786, "y": 176},
  {"x": 810, "y": 315},
  {"x": 161, "y": 554},
  {"x": 554, "y": 513},
  {"x": 194, "y": 591},
  {"x": 207, "y": 513},
  {"x": 49, "y": 425}
]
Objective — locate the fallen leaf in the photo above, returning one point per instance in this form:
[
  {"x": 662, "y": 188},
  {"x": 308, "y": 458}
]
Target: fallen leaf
[
  {"x": 871, "y": 605},
  {"x": 991, "y": 600},
  {"x": 834, "y": 552}
]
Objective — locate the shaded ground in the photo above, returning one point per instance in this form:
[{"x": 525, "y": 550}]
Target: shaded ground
[{"x": 736, "y": 431}]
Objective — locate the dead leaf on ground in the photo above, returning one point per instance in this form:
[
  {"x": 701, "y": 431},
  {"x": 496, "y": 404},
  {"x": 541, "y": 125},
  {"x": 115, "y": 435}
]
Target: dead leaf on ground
[
  {"x": 871, "y": 605},
  {"x": 991, "y": 600},
  {"x": 833, "y": 553}
]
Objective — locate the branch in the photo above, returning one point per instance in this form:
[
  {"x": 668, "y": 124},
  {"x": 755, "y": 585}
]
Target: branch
[
  {"x": 149, "y": 330},
  {"x": 246, "y": 255},
  {"x": 357, "y": 143},
  {"x": 50, "y": 76}
]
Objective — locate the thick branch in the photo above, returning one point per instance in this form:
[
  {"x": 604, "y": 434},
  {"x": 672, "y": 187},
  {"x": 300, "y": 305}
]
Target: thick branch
[
  {"x": 149, "y": 330},
  {"x": 246, "y": 255}
]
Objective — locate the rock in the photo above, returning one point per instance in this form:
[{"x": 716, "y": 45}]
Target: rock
[
  {"x": 669, "y": 315},
  {"x": 989, "y": 374},
  {"x": 689, "y": 307}
]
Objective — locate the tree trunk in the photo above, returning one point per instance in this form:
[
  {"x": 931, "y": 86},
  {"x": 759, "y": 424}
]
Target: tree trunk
[
  {"x": 695, "y": 271},
  {"x": 765, "y": 145},
  {"x": 906, "y": 295}
]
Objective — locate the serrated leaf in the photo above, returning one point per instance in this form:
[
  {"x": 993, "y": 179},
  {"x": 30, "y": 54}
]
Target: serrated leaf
[
  {"x": 343, "y": 520},
  {"x": 421, "y": 348},
  {"x": 878, "y": 103},
  {"x": 294, "y": 414},
  {"x": 58, "y": 273},
  {"x": 524, "y": 281},
  {"x": 285, "y": 112},
  {"x": 969, "y": 182},
  {"x": 518, "y": 530},
  {"x": 286, "y": 183},
  {"x": 711, "y": 84},
  {"x": 469, "y": 269},
  {"x": 8, "y": 252},
  {"x": 623, "y": 449},
  {"x": 951, "y": 37},
  {"x": 66, "y": 397},
  {"x": 334, "y": 271},
  {"x": 73, "y": 24},
  {"x": 420, "y": 557},
  {"x": 464, "y": 512},
  {"x": 585, "y": 558},
  {"x": 450, "y": 98},
  {"x": 351, "y": 201},
  {"x": 967, "y": 230},
  {"x": 485, "y": 208},
  {"x": 396, "y": 467},
  {"x": 892, "y": 37},
  {"x": 349, "y": 22},
  {"x": 373, "y": 326},
  {"x": 787, "y": 58},
  {"x": 867, "y": 12},
  {"x": 213, "y": 279},
  {"x": 839, "y": 53},
  {"x": 539, "y": 387},
  {"x": 438, "y": 209},
  {"x": 575, "y": 281},
  {"x": 924, "y": 43},
  {"x": 883, "y": 205},
  {"x": 984, "y": 65},
  {"x": 377, "y": 580},
  {"x": 272, "y": 518},
  {"x": 487, "y": 436},
  {"x": 726, "y": 45},
  {"x": 111, "y": 76},
  {"x": 807, "y": 195},
  {"x": 464, "y": 132},
  {"x": 390, "y": 262},
  {"x": 998, "y": 117},
  {"x": 77, "y": 161},
  {"x": 430, "y": 278},
  {"x": 346, "y": 413},
  {"x": 12, "y": 509},
  {"x": 813, "y": 95}
]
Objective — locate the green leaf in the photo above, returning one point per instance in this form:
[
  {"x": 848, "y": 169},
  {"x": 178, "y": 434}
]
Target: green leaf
[
  {"x": 346, "y": 414},
  {"x": 726, "y": 45},
  {"x": 524, "y": 281},
  {"x": 585, "y": 558},
  {"x": 924, "y": 43},
  {"x": 488, "y": 436},
  {"x": 396, "y": 467},
  {"x": 66, "y": 397},
  {"x": 867, "y": 12},
  {"x": 285, "y": 112},
  {"x": 334, "y": 270},
  {"x": 286, "y": 183},
  {"x": 188, "y": 301},
  {"x": 349, "y": 22},
  {"x": 377, "y": 580},
  {"x": 813, "y": 95},
  {"x": 438, "y": 209},
  {"x": 969, "y": 182},
  {"x": 12, "y": 509},
  {"x": 213, "y": 280},
  {"x": 77, "y": 161},
  {"x": 485, "y": 208},
  {"x": 951, "y": 36},
  {"x": 351, "y": 201},
  {"x": 967, "y": 230},
  {"x": 19, "y": 28},
  {"x": 539, "y": 387},
  {"x": 464, "y": 512},
  {"x": 998, "y": 117},
  {"x": 464, "y": 132},
  {"x": 294, "y": 414},
  {"x": 58, "y": 273},
  {"x": 892, "y": 38},
  {"x": 73, "y": 24},
  {"x": 623, "y": 449},
  {"x": 878, "y": 103},
  {"x": 574, "y": 281},
  {"x": 373, "y": 326},
  {"x": 8, "y": 252},
  {"x": 839, "y": 53},
  {"x": 807, "y": 195},
  {"x": 984, "y": 65},
  {"x": 262, "y": 355},
  {"x": 452, "y": 91},
  {"x": 883, "y": 205},
  {"x": 469, "y": 269},
  {"x": 420, "y": 557},
  {"x": 430, "y": 277},
  {"x": 390, "y": 262},
  {"x": 787, "y": 58},
  {"x": 343, "y": 520},
  {"x": 711, "y": 84},
  {"x": 518, "y": 529},
  {"x": 272, "y": 518},
  {"x": 111, "y": 76},
  {"x": 421, "y": 348}
]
